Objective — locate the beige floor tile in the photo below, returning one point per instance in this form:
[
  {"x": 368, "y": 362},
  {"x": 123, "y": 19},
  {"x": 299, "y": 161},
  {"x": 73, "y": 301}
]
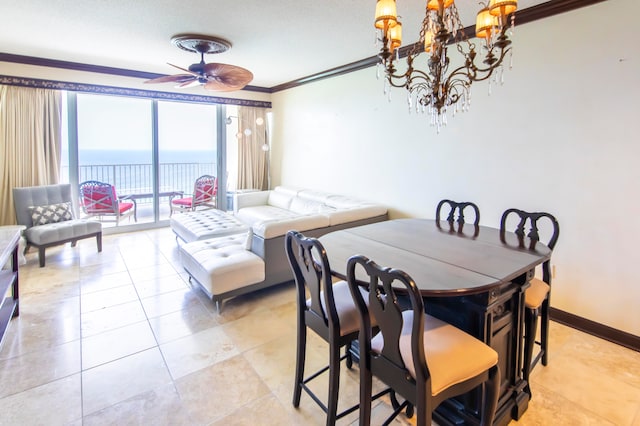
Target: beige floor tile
[
  {"x": 161, "y": 406},
  {"x": 98, "y": 300},
  {"x": 54, "y": 403},
  {"x": 167, "y": 303},
  {"x": 111, "y": 318},
  {"x": 96, "y": 270},
  {"x": 212, "y": 393},
  {"x": 38, "y": 368},
  {"x": 603, "y": 394},
  {"x": 33, "y": 332},
  {"x": 160, "y": 285},
  {"x": 254, "y": 330},
  {"x": 552, "y": 408},
  {"x": 122, "y": 379},
  {"x": 185, "y": 322},
  {"x": 152, "y": 272},
  {"x": 104, "y": 281},
  {"x": 267, "y": 409},
  {"x": 197, "y": 351},
  {"x": 114, "y": 344}
]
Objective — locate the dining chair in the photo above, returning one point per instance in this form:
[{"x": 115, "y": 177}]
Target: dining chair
[
  {"x": 421, "y": 358},
  {"x": 537, "y": 295},
  {"x": 205, "y": 189},
  {"x": 458, "y": 208},
  {"x": 329, "y": 311},
  {"x": 100, "y": 199}
]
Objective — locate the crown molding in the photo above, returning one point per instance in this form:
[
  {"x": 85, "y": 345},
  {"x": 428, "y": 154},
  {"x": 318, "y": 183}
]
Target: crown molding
[{"x": 524, "y": 16}]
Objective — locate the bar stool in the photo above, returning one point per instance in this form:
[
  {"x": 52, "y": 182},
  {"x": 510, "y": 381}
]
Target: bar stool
[{"x": 537, "y": 296}]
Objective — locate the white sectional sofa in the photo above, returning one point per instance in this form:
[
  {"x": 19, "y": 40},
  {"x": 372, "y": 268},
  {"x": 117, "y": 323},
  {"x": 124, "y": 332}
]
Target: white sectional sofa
[{"x": 215, "y": 257}]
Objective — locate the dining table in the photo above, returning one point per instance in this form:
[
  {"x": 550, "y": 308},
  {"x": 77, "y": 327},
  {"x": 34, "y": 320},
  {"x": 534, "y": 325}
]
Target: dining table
[{"x": 470, "y": 276}]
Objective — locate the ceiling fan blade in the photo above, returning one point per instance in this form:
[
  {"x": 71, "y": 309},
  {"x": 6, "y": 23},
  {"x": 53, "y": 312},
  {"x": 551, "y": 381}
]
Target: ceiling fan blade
[
  {"x": 226, "y": 78},
  {"x": 185, "y": 70},
  {"x": 178, "y": 78},
  {"x": 191, "y": 83}
]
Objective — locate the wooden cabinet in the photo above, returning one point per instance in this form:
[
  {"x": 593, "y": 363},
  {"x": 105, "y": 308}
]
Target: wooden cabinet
[
  {"x": 493, "y": 317},
  {"x": 9, "y": 294}
]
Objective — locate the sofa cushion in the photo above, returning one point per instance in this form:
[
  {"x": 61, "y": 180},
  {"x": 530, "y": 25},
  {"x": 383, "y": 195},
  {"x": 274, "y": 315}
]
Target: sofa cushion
[
  {"x": 51, "y": 213},
  {"x": 222, "y": 264},
  {"x": 307, "y": 206},
  {"x": 278, "y": 227},
  {"x": 204, "y": 224},
  {"x": 279, "y": 199},
  {"x": 252, "y": 215}
]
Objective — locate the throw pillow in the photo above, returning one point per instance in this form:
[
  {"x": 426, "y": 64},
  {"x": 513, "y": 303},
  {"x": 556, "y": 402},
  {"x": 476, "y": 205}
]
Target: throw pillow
[{"x": 51, "y": 213}]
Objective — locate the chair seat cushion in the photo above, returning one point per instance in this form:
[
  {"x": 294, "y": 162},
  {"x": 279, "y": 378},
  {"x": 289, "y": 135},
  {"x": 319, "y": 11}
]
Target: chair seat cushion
[
  {"x": 124, "y": 206},
  {"x": 66, "y": 230},
  {"x": 186, "y": 201},
  {"x": 453, "y": 356},
  {"x": 536, "y": 293},
  {"x": 346, "y": 309}
]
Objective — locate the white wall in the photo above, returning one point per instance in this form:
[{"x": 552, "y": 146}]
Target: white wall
[{"x": 561, "y": 135}]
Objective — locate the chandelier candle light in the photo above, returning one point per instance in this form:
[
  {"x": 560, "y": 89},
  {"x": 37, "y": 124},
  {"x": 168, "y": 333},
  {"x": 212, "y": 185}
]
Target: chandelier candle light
[{"x": 436, "y": 89}]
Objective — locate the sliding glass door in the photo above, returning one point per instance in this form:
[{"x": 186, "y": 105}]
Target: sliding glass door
[
  {"x": 187, "y": 145},
  {"x": 150, "y": 151}
]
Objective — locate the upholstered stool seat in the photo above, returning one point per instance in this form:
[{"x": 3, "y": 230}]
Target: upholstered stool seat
[
  {"x": 205, "y": 224},
  {"x": 453, "y": 356},
  {"x": 222, "y": 265},
  {"x": 536, "y": 293}
]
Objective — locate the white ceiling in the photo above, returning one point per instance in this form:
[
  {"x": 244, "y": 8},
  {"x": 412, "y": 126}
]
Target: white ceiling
[{"x": 278, "y": 40}]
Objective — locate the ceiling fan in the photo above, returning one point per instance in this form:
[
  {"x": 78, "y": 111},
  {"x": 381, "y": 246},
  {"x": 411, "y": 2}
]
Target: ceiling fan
[{"x": 213, "y": 76}]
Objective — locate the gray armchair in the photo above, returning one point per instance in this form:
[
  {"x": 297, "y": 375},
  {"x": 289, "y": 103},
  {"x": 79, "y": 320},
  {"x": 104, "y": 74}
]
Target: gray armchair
[{"x": 47, "y": 212}]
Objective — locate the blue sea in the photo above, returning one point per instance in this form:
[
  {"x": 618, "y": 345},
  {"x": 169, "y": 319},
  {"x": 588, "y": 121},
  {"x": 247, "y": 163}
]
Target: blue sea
[
  {"x": 90, "y": 157},
  {"x": 131, "y": 171}
]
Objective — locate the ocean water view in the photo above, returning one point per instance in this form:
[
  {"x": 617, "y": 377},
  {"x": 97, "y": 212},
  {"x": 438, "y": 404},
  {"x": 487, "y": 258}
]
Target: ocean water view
[
  {"x": 115, "y": 156},
  {"x": 131, "y": 171}
]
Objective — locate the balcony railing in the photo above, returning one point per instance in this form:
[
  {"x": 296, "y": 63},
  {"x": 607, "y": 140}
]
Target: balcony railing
[{"x": 138, "y": 178}]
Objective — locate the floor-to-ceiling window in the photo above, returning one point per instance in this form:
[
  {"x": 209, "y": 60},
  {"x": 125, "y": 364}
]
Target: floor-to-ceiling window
[{"x": 149, "y": 150}]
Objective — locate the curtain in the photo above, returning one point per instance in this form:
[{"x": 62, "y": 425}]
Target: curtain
[
  {"x": 253, "y": 149},
  {"x": 30, "y": 142}
]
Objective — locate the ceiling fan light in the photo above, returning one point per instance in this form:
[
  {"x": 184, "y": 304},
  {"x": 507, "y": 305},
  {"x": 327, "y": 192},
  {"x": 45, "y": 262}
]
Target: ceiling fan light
[
  {"x": 486, "y": 24},
  {"x": 386, "y": 15},
  {"x": 503, "y": 7},
  {"x": 435, "y": 4}
]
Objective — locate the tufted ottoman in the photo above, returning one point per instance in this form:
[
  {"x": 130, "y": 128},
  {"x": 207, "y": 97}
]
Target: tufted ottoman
[
  {"x": 205, "y": 224},
  {"x": 223, "y": 266}
]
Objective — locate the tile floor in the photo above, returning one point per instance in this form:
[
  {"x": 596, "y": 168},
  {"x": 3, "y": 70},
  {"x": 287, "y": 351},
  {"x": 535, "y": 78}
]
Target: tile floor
[{"x": 120, "y": 337}]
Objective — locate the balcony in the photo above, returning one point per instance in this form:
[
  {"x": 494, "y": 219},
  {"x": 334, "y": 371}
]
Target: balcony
[{"x": 137, "y": 179}]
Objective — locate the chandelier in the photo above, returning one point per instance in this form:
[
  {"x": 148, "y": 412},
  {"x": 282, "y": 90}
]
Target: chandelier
[{"x": 438, "y": 89}]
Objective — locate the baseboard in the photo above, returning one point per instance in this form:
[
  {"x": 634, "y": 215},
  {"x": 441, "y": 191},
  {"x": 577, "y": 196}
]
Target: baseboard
[{"x": 596, "y": 329}]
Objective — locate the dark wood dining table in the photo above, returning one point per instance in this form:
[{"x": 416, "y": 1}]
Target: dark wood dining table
[{"x": 473, "y": 277}]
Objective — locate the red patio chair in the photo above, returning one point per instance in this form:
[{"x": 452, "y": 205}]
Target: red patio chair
[
  {"x": 204, "y": 194},
  {"x": 99, "y": 199}
]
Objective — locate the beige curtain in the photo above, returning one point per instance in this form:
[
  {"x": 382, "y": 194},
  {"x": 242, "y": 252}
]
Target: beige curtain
[
  {"x": 253, "y": 158},
  {"x": 30, "y": 142}
]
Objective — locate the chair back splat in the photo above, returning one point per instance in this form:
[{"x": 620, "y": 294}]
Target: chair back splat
[
  {"x": 329, "y": 311},
  {"x": 421, "y": 358},
  {"x": 457, "y": 208},
  {"x": 529, "y": 227}
]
